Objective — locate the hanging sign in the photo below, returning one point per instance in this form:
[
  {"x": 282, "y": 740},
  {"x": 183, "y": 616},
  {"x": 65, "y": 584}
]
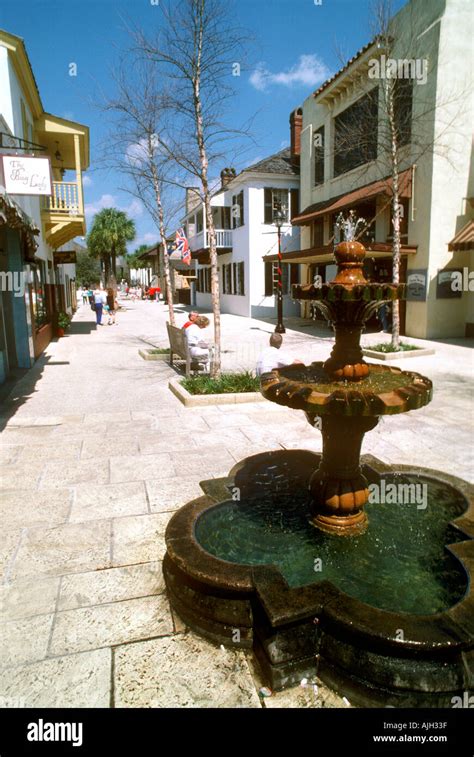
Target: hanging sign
[{"x": 26, "y": 175}]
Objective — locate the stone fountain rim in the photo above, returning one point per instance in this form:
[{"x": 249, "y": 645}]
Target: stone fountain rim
[
  {"x": 281, "y": 389},
  {"x": 448, "y": 630}
]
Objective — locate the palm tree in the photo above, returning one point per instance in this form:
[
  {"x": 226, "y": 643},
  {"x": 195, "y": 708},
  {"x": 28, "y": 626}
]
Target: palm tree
[{"x": 108, "y": 237}]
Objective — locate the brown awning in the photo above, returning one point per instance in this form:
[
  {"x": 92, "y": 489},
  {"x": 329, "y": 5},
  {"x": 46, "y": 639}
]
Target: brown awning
[
  {"x": 203, "y": 255},
  {"x": 383, "y": 186},
  {"x": 464, "y": 239},
  {"x": 320, "y": 255}
]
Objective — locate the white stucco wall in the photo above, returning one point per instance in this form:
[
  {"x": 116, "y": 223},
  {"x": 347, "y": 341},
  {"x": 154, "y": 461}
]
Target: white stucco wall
[
  {"x": 440, "y": 32},
  {"x": 11, "y": 96},
  {"x": 250, "y": 243}
]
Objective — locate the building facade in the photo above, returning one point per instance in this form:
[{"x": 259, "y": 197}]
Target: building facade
[
  {"x": 33, "y": 227},
  {"x": 243, "y": 211},
  {"x": 345, "y": 165}
]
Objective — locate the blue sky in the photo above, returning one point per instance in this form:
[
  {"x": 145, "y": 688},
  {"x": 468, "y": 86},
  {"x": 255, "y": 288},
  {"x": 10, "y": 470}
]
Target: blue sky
[{"x": 295, "y": 47}]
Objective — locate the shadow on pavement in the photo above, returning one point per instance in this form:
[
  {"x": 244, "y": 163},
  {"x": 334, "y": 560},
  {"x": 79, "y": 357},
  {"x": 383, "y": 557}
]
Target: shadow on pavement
[{"x": 20, "y": 386}]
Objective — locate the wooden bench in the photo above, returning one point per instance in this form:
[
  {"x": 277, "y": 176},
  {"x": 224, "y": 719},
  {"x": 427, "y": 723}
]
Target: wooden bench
[{"x": 179, "y": 347}]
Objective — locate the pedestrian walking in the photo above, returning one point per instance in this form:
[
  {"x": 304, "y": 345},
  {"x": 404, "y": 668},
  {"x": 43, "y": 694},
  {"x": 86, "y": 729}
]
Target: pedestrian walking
[
  {"x": 100, "y": 300},
  {"x": 112, "y": 305}
]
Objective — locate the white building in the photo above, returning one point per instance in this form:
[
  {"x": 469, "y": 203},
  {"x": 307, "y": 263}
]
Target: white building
[
  {"x": 432, "y": 46},
  {"x": 243, "y": 210},
  {"x": 33, "y": 227}
]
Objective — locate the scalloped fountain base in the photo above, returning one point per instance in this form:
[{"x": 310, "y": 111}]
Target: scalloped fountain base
[{"x": 384, "y": 620}]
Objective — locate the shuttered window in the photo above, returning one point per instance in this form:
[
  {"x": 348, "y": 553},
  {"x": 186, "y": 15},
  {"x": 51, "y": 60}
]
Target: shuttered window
[{"x": 273, "y": 197}]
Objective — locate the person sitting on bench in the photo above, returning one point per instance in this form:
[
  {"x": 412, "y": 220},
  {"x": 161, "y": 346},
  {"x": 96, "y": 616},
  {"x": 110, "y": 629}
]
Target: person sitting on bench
[{"x": 198, "y": 348}]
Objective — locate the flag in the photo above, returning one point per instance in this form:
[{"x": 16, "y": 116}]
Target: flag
[{"x": 182, "y": 246}]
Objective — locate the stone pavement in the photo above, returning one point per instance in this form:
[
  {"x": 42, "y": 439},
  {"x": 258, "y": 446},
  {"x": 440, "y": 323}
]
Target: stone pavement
[{"x": 96, "y": 456}]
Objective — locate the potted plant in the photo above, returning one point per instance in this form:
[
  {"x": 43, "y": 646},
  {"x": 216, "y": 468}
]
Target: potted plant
[{"x": 63, "y": 323}]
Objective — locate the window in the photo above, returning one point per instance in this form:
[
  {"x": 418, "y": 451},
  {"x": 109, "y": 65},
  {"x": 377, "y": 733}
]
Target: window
[
  {"x": 203, "y": 284},
  {"x": 238, "y": 218},
  {"x": 221, "y": 217},
  {"x": 199, "y": 222},
  {"x": 294, "y": 202},
  {"x": 289, "y": 276},
  {"x": 403, "y": 104},
  {"x": 317, "y": 233},
  {"x": 355, "y": 134},
  {"x": 227, "y": 278},
  {"x": 272, "y": 198},
  {"x": 38, "y": 296},
  {"x": 191, "y": 228},
  {"x": 319, "y": 156},
  {"x": 238, "y": 278}
]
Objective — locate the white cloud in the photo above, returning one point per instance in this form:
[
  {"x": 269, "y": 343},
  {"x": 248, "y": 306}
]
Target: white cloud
[
  {"x": 308, "y": 71},
  {"x": 134, "y": 209},
  {"x": 86, "y": 181},
  {"x": 148, "y": 238},
  {"x": 138, "y": 152}
]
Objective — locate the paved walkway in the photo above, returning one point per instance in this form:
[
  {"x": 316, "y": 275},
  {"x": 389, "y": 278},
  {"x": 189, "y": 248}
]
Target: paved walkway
[{"x": 96, "y": 456}]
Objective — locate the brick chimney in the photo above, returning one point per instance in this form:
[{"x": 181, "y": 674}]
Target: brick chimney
[
  {"x": 227, "y": 174},
  {"x": 296, "y": 124}
]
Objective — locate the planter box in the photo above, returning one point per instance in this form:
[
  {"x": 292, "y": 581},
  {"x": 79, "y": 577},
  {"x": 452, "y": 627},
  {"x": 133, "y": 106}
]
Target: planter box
[
  {"x": 398, "y": 355},
  {"x": 150, "y": 355},
  {"x": 195, "y": 400}
]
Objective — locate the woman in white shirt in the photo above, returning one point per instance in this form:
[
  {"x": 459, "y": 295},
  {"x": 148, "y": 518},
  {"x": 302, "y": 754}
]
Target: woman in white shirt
[
  {"x": 100, "y": 299},
  {"x": 197, "y": 346}
]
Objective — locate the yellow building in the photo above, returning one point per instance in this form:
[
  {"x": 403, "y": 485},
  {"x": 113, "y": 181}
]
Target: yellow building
[{"x": 32, "y": 227}]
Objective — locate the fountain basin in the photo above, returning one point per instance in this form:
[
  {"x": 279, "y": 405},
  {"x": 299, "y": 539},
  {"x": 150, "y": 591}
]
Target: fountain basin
[
  {"x": 302, "y": 622},
  {"x": 385, "y": 391}
]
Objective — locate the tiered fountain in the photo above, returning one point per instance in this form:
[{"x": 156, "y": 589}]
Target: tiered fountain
[
  {"x": 347, "y": 393},
  {"x": 385, "y": 615}
]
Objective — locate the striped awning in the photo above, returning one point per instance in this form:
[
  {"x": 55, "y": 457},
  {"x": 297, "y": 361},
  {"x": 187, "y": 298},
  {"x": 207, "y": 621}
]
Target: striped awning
[{"x": 464, "y": 239}]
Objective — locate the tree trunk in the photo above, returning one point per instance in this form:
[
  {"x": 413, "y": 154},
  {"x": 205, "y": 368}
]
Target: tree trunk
[
  {"x": 396, "y": 246},
  {"x": 107, "y": 269},
  {"x": 216, "y": 364},
  {"x": 166, "y": 258}
]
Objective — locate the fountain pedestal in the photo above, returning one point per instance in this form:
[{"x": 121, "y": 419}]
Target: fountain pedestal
[{"x": 338, "y": 487}]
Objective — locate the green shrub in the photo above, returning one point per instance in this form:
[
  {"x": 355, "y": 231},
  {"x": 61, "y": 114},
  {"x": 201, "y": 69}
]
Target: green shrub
[
  {"x": 226, "y": 384},
  {"x": 388, "y": 347},
  {"x": 160, "y": 351},
  {"x": 63, "y": 321}
]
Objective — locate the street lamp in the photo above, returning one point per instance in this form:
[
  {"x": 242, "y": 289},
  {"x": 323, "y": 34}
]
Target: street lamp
[{"x": 279, "y": 218}]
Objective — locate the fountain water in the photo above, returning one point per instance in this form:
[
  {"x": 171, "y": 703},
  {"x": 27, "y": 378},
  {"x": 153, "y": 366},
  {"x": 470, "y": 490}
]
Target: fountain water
[{"x": 385, "y": 616}]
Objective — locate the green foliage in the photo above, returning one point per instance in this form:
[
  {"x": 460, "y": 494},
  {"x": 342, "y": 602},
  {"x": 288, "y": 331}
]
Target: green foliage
[
  {"x": 87, "y": 269},
  {"x": 160, "y": 351},
  {"x": 110, "y": 232},
  {"x": 388, "y": 347},
  {"x": 226, "y": 384},
  {"x": 63, "y": 321},
  {"x": 133, "y": 260}
]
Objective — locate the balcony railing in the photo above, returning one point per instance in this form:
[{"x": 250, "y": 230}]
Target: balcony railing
[
  {"x": 223, "y": 239},
  {"x": 65, "y": 198}
]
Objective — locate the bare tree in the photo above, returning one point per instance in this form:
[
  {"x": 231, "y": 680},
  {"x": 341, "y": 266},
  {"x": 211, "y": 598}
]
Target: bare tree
[
  {"x": 134, "y": 147},
  {"x": 388, "y": 126},
  {"x": 197, "y": 50}
]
